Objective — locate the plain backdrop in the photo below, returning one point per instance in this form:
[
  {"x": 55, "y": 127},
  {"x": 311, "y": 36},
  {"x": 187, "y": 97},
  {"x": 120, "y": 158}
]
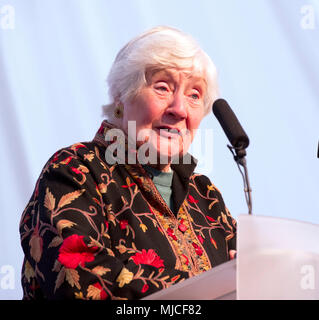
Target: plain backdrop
[{"x": 55, "y": 56}]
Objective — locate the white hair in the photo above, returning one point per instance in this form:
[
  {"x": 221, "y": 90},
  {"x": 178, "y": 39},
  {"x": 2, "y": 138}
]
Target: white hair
[{"x": 157, "y": 49}]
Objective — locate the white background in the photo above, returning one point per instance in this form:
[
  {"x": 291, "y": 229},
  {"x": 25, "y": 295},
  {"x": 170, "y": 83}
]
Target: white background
[{"x": 54, "y": 59}]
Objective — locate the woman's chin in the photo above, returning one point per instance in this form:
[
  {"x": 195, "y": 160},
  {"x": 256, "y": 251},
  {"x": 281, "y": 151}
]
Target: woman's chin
[{"x": 161, "y": 151}]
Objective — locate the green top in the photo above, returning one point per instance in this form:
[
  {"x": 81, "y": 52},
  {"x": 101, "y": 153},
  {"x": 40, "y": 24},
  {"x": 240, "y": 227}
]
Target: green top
[{"x": 163, "y": 182}]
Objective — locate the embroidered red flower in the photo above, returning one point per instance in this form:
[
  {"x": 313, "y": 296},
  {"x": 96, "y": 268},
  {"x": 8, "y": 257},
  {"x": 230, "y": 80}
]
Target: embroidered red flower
[
  {"x": 123, "y": 224},
  {"x": 182, "y": 226},
  {"x": 191, "y": 199},
  {"x": 66, "y": 160},
  {"x": 175, "y": 278},
  {"x": 55, "y": 158},
  {"x": 129, "y": 185},
  {"x": 148, "y": 257},
  {"x": 198, "y": 250},
  {"x": 74, "y": 252},
  {"x": 185, "y": 259},
  {"x": 200, "y": 238},
  {"x": 77, "y": 171},
  {"x": 210, "y": 219},
  {"x": 103, "y": 294},
  {"x": 170, "y": 232},
  {"x": 145, "y": 288},
  {"x": 77, "y": 146}
]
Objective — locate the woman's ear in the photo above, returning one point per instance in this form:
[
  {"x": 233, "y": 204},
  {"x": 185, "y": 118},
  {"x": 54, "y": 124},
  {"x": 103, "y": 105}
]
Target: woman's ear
[{"x": 118, "y": 111}]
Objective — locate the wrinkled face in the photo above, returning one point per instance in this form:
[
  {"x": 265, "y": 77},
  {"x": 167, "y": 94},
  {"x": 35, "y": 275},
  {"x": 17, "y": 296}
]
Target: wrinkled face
[{"x": 167, "y": 111}]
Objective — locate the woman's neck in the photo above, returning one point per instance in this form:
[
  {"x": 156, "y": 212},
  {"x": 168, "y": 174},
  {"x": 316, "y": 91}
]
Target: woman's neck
[{"x": 162, "y": 167}]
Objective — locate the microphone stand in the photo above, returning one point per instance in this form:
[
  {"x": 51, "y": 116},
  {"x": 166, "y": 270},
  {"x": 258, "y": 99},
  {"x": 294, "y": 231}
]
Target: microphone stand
[{"x": 240, "y": 159}]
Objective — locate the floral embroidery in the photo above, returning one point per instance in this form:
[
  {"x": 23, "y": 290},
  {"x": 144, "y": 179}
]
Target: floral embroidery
[
  {"x": 96, "y": 292},
  {"x": 170, "y": 232},
  {"x": 125, "y": 277},
  {"x": 123, "y": 224},
  {"x": 191, "y": 199},
  {"x": 198, "y": 250},
  {"x": 182, "y": 226},
  {"x": 74, "y": 252},
  {"x": 145, "y": 288},
  {"x": 200, "y": 238},
  {"x": 148, "y": 257},
  {"x": 134, "y": 244}
]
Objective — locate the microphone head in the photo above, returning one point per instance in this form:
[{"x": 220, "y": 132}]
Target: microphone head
[{"x": 230, "y": 124}]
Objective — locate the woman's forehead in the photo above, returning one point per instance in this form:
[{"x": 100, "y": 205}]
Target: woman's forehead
[{"x": 174, "y": 74}]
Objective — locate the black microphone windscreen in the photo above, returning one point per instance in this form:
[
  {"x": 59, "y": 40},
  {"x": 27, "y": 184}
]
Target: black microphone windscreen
[{"x": 230, "y": 124}]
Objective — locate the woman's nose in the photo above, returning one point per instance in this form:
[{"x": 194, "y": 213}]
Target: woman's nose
[{"x": 177, "y": 106}]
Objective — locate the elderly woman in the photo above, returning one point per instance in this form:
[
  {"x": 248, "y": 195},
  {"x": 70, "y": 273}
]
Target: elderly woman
[{"x": 123, "y": 216}]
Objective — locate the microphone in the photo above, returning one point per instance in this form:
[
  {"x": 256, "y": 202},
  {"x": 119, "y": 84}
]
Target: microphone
[
  {"x": 231, "y": 126},
  {"x": 238, "y": 139}
]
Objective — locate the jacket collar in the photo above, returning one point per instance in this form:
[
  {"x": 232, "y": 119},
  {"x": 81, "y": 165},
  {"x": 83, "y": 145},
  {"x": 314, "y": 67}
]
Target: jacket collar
[
  {"x": 182, "y": 173},
  {"x": 184, "y": 170}
]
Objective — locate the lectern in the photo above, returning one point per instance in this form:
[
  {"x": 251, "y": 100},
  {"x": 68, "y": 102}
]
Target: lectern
[{"x": 277, "y": 259}]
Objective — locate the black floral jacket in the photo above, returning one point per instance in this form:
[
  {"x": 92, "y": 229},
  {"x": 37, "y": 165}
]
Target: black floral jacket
[{"x": 97, "y": 231}]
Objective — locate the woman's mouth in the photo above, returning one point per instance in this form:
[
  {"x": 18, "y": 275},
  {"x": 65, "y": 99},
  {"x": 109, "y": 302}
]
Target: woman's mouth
[{"x": 168, "y": 132}]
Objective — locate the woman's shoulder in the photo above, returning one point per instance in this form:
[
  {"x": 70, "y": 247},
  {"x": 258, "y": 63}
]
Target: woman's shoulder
[
  {"x": 80, "y": 157},
  {"x": 80, "y": 151},
  {"x": 204, "y": 183}
]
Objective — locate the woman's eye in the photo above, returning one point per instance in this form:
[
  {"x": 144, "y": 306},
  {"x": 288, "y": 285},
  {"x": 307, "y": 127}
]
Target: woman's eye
[
  {"x": 195, "y": 96},
  {"x": 162, "y": 88}
]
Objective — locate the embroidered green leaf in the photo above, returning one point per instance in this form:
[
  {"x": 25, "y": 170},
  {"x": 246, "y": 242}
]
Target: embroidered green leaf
[
  {"x": 69, "y": 197},
  {"x": 72, "y": 277},
  {"x": 49, "y": 200},
  {"x": 143, "y": 227},
  {"x": 57, "y": 266},
  {"x": 155, "y": 283},
  {"x": 125, "y": 277},
  {"x": 36, "y": 243},
  {"x": 28, "y": 271},
  {"x": 100, "y": 270},
  {"x": 63, "y": 223},
  {"x": 110, "y": 252},
  {"x": 60, "y": 279},
  {"x": 214, "y": 243},
  {"x": 94, "y": 292},
  {"x": 56, "y": 241}
]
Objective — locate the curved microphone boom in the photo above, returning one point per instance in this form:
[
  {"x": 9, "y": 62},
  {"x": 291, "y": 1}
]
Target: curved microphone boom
[
  {"x": 231, "y": 126},
  {"x": 238, "y": 139}
]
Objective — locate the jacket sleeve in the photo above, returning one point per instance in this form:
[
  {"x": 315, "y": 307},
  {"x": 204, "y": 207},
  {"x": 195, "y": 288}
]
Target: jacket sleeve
[
  {"x": 228, "y": 222},
  {"x": 217, "y": 210},
  {"x": 64, "y": 235}
]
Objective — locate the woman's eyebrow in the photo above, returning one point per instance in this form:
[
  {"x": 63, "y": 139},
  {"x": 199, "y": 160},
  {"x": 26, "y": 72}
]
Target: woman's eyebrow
[
  {"x": 165, "y": 74},
  {"x": 160, "y": 74}
]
